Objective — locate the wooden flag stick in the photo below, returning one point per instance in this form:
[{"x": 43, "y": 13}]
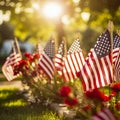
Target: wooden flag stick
[
  {"x": 77, "y": 35},
  {"x": 111, "y": 28},
  {"x": 13, "y": 46},
  {"x": 65, "y": 46},
  {"x": 17, "y": 45}
]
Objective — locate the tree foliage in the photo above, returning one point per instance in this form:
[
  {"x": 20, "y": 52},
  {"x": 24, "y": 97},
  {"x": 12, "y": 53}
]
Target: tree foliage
[{"x": 27, "y": 21}]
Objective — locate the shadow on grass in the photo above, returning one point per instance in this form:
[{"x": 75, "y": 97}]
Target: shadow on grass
[
  {"x": 8, "y": 95},
  {"x": 13, "y": 106}
]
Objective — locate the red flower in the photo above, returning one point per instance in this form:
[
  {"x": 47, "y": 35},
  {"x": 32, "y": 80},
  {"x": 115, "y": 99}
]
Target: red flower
[
  {"x": 65, "y": 91},
  {"x": 113, "y": 93},
  {"x": 87, "y": 107},
  {"x": 34, "y": 73},
  {"x": 105, "y": 98},
  {"x": 16, "y": 71},
  {"x": 71, "y": 102},
  {"x": 93, "y": 94},
  {"x": 117, "y": 105},
  {"x": 77, "y": 74},
  {"x": 116, "y": 87},
  {"x": 36, "y": 56},
  {"x": 23, "y": 63},
  {"x": 97, "y": 94},
  {"x": 26, "y": 54}
]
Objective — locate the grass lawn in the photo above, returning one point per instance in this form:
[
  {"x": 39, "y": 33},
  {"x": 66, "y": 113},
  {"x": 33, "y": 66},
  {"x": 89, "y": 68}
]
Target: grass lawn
[{"x": 14, "y": 107}]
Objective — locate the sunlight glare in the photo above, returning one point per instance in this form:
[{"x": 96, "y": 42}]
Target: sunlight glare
[
  {"x": 52, "y": 10},
  {"x": 76, "y": 1},
  {"x": 36, "y": 6},
  {"x": 85, "y": 16},
  {"x": 65, "y": 20}
]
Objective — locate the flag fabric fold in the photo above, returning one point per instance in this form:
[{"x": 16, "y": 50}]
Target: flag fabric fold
[
  {"x": 104, "y": 114},
  {"x": 72, "y": 64},
  {"x": 98, "y": 69},
  {"x": 116, "y": 46},
  {"x": 58, "y": 60},
  {"x": 116, "y": 56},
  {"x": 11, "y": 61}
]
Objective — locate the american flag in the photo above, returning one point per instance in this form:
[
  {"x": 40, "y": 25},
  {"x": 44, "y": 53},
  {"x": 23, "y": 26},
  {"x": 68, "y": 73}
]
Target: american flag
[
  {"x": 117, "y": 68},
  {"x": 72, "y": 62},
  {"x": 104, "y": 114},
  {"x": 116, "y": 46},
  {"x": 49, "y": 49},
  {"x": 98, "y": 71},
  {"x": 46, "y": 61},
  {"x": 116, "y": 56},
  {"x": 11, "y": 61},
  {"x": 75, "y": 47},
  {"x": 58, "y": 60}
]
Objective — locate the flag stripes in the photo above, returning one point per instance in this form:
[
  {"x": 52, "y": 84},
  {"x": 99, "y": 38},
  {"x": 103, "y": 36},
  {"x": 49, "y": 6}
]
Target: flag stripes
[
  {"x": 117, "y": 68},
  {"x": 97, "y": 71},
  {"x": 104, "y": 114},
  {"x": 47, "y": 65},
  {"x": 58, "y": 62},
  {"x": 45, "y": 61},
  {"x": 72, "y": 64},
  {"x": 68, "y": 65},
  {"x": 116, "y": 56},
  {"x": 9, "y": 64},
  {"x": 58, "y": 59}
]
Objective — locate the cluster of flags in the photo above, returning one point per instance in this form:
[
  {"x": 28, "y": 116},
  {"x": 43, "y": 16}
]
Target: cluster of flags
[
  {"x": 97, "y": 71},
  {"x": 71, "y": 63},
  {"x": 100, "y": 68}
]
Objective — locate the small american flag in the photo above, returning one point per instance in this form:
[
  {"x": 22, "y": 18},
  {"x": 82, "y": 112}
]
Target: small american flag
[
  {"x": 116, "y": 56},
  {"x": 98, "y": 71},
  {"x": 11, "y": 61},
  {"x": 117, "y": 68},
  {"x": 46, "y": 59},
  {"x": 116, "y": 46},
  {"x": 104, "y": 114},
  {"x": 73, "y": 62},
  {"x": 50, "y": 48},
  {"x": 58, "y": 60}
]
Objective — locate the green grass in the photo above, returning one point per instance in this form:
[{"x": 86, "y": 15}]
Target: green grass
[
  {"x": 3, "y": 79},
  {"x": 14, "y": 107}
]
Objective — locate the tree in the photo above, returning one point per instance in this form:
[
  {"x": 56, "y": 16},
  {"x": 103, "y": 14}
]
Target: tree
[{"x": 29, "y": 21}]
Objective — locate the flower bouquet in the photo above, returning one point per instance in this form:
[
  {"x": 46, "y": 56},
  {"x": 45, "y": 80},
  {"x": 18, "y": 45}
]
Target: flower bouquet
[{"x": 84, "y": 105}]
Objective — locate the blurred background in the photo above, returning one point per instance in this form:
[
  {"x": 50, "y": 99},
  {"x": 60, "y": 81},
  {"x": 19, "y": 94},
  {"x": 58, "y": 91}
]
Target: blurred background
[{"x": 35, "y": 21}]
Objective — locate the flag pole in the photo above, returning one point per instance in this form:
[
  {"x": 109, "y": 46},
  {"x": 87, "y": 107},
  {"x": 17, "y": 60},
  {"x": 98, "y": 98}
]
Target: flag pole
[
  {"x": 17, "y": 47},
  {"x": 13, "y": 47},
  {"x": 110, "y": 29},
  {"x": 65, "y": 46},
  {"x": 77, "y": 35}
]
